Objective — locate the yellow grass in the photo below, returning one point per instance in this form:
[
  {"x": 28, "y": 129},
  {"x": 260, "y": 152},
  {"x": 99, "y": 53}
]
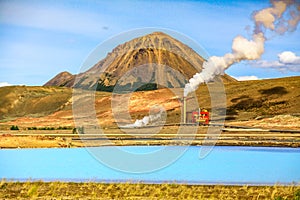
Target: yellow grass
[{"x": 90, "y": 190}]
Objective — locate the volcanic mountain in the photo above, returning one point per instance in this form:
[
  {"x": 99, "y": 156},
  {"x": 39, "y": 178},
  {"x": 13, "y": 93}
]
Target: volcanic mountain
[{"x": 150, "y": 61}]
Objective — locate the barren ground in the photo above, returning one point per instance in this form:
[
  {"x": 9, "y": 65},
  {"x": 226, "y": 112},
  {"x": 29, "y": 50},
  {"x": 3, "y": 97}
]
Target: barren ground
[{"x": 267, "y": 104}]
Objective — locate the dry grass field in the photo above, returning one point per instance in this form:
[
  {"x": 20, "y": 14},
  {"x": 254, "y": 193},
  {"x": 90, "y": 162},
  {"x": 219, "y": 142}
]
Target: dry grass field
[{"x": 90, "y": 190}]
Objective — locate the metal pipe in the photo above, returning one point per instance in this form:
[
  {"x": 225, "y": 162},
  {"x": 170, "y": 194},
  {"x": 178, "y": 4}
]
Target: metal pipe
[
  {"x": 199, "y": 115},
  {"x": 184, "y": 110}
]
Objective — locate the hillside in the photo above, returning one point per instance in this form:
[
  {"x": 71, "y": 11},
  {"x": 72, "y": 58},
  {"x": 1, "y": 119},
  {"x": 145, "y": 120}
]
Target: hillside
[
  {"x": 52, "y": 106},
  {"x": 154, "y": 51},
  {"x": 249, "y": 99},
  {"x": 62, "y": 79},
  {"x": 20, "y": 101}
]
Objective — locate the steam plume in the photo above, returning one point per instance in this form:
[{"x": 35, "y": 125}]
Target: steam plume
[
  {"x": 154, "y": 118},
  {"x": 271, "y": 18}
]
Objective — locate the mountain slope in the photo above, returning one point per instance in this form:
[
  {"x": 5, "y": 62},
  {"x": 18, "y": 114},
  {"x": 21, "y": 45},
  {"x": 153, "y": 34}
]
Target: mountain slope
[
  {"x": 61, "y": 79},
  {"x": 155, "y": 50},
  {"x": 52, "y": 106},
  {"x": 20, "y": 101}
]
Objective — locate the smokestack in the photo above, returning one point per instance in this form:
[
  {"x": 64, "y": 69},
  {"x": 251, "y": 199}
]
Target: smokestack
[
  {"x": 272, "y": 18},
  {"x": 184, "y": 110}
]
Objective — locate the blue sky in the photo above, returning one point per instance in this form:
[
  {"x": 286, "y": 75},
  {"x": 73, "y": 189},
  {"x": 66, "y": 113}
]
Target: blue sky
[{"x": 39, "y": 39}]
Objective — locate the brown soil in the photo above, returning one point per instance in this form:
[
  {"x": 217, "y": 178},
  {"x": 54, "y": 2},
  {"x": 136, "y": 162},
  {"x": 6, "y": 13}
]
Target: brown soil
[{"x": 281, "y": 122}]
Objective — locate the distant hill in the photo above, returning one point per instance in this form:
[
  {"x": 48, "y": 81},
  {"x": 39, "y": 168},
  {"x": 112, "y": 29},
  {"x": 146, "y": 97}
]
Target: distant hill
[
  {"x": 52, "y": 106},
  {"x": 155, "y": 48},
  {"x": 20, "y": 101},
  {"x": 62, "y": 79}
]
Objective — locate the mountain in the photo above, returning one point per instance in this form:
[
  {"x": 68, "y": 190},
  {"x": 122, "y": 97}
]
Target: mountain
[
  {"x": 62, "y": 79},
  {"x": 155, "y": 51}
]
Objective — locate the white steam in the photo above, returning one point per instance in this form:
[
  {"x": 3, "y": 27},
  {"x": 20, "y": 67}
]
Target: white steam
[
  {"x": 271, "y": 18},
  {"x": 153, "y": 119},
  {"x": 242, "y": 49}
]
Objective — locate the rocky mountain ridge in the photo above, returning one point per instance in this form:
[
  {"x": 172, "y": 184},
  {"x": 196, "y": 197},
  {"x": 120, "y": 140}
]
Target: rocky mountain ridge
[{"x": 151, "y": 61}]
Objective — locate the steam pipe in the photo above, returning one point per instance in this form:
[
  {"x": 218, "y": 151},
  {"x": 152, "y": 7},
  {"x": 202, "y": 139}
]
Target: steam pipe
[{"x": 184, "y": 110}]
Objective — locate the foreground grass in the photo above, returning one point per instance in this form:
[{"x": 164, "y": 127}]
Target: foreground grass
[{"x": 69, "y": 190}]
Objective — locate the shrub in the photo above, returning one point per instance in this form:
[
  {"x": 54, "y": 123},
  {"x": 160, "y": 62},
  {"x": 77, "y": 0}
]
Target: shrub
[
  {"x": 63, "y": 128},
  {"x": 13, "y": 127},
  {"x": 297, "y": 195},
  {"x": 74, "y": 131}
]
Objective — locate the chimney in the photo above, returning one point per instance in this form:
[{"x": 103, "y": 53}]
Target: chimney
[{"x": 184, "y": 110}]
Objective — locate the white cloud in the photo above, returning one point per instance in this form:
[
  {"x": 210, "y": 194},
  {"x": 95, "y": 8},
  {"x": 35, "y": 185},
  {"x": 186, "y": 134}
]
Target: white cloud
[
  {"x": 246, "y": 78},
  {"x": 289, "y": 57},
  {"x": 3, "y": 84},
  {"x": 287, "y": 61}
]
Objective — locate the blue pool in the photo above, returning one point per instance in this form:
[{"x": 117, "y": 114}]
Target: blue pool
[{"x": 224, "y": 165}]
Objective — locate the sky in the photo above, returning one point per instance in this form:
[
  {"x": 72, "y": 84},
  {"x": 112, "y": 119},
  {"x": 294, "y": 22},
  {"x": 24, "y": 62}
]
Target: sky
[{"x": 39, "y": 39}]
